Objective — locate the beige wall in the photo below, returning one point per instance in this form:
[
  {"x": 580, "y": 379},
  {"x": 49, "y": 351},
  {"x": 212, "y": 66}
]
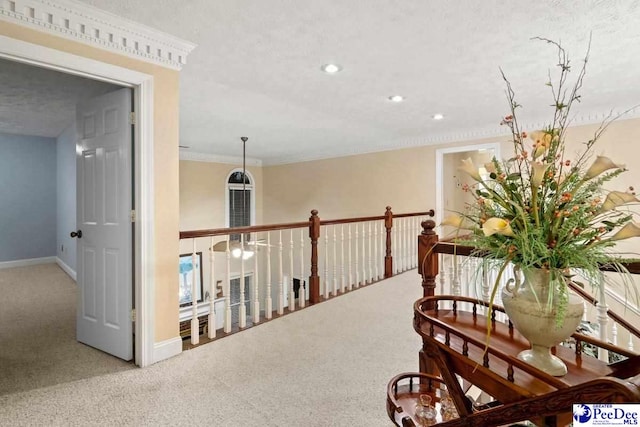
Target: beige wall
[
  {"x": 350, "y": 186},
  {"x": 165, "y": 162},
  {"x": 359, "y": 185},
  {"x": 202, "y": 194},
  {"x": 404, "y": 179}
]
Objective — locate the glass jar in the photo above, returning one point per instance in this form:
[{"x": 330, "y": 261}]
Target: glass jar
[{"x": 425, "y": 412}]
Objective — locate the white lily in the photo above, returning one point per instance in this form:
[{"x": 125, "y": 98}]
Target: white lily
[
  {"x": 617, "y": 198},
  {"x": 458, "y": 221},
  {"x": 600, "y": 165},
  {"x": 497, "y": 226},
  {"x": 538, "y": 170},
  {"x": 470, "y": 169},
  {"x": 629, "y": 230}
]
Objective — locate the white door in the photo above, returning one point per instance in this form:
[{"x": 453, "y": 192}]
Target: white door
[{"x": 104, "y": 267}]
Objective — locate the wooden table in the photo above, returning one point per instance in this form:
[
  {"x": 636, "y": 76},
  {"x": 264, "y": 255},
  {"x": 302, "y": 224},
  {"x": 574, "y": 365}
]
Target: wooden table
[{"x": 455, "y": 346}]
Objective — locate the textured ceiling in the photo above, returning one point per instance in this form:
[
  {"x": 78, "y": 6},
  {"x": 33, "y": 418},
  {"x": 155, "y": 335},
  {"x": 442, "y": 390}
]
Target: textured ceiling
[
  {"x": 41, "y": 102},
  {"x": 256, "y": 70}
]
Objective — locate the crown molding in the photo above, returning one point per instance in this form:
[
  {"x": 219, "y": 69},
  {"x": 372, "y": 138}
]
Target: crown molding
[
  {"x": 494, "y": 131},
  {"x": 86, "y": 24},
  {"x": 216, "y": 158}
]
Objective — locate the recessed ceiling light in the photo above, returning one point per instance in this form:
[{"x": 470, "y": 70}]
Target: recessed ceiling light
[
  {"x": 396, "y": 98},
  {"x": 438, "y": 116},
  {"x": 331, "y": 68}
]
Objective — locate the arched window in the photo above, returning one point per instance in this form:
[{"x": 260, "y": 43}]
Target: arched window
[{"x": 240, "y": 200}]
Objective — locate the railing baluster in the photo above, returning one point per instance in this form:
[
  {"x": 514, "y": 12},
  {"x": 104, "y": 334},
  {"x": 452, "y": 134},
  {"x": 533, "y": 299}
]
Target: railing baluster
[
  {"x": 411, "y": 242},
  {"x": 269, "y": 301},
  {"x": 343, "y": 276},
  {"x": 195, "y": 324},
  {"x": 292, "y": 294},
  {"x": 335, "y": 263},
  {"x": 326, "y": 280},
  {"x": 376, "y": 257},
  {"x": 357, "y": 244},
  {"x": 417, "y": 232},
  {"x": 404, "y": 244},
  {"x": 281, "y": 278},
  {"x": 456, "y": 276},
  {"x": 614, "y": 334},
  {"x": 603, "y": 319},
  {"x": 227, "y": 291},
  {"x": 442, "y": 279},
  {"x": 395, "y": 248},
  {"x": 349, "y": 261},
  {"x": 371, "y": 280},
  {"x": 301, "y": 290},
  {"x": 256, "y": 284},
  {"x": 630, "y": 343},
  {"x": 242, "y": 312},
  {"x": 211, "y": 321},
  {"x": 364, "y": 256},
  {"x": 486, "y": 288},
  {"x": 467, "y": 275}
]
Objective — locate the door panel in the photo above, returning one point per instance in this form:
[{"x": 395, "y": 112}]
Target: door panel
[{"x": 104, "y": 203}]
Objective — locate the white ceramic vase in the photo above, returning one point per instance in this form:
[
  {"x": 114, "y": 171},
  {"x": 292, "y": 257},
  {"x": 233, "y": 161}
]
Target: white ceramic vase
[{"x": 526, "y": 304}]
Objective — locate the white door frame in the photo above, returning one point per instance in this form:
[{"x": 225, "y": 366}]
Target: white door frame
[
  {"x": 440, "y": 152},
  {"x": 142, "y": 84}
]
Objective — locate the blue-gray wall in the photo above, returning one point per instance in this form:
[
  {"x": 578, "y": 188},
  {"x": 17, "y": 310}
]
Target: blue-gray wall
[
  {"x": 66, "y": 195},
  {"x": 27, "y": 197}
]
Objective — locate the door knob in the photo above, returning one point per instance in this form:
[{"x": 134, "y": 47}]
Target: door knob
[{"x": 77, "y": 234}]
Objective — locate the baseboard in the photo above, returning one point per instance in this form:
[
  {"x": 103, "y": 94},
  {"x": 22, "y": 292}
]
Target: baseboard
[
  {"x": 166, "y": 349},
  {"x": 67, "y": 269},
  {"x": 27, "y": 262}
]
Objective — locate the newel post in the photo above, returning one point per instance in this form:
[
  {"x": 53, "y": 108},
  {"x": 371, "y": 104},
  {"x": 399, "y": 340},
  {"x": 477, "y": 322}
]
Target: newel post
[
  {"x": 388, "y": 258},
  {"x": 427, "y": 258},
  {"x": 314, "y": 279}
]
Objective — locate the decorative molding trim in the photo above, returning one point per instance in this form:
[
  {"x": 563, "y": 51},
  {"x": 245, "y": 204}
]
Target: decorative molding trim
[
  {"x": 67, "y": 269},
  {"x": 216, "y": 158},
  {"x": 27, "y": 262},
  {"x": 451, "y": 137},
  {"x": 166, "y": 349},
  {"x": 86, "y": 24}
]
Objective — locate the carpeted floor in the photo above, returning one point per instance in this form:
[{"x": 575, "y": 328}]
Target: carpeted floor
[
  {"x": 38, "y": 346},
  {"x": 327, "y": 365}
]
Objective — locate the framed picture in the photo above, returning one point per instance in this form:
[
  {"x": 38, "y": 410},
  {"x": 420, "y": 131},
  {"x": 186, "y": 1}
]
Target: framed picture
[{"x": 186, "y": 278}]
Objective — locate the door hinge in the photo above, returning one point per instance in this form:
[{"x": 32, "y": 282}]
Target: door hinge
[
  {"x": 132, "y": 215},
  {"x": 132, "y": 118},
  {"x": 133, "y": 314}
]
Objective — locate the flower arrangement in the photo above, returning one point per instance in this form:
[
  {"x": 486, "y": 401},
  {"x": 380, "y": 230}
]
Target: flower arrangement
[{"x": 540, "y": 209}]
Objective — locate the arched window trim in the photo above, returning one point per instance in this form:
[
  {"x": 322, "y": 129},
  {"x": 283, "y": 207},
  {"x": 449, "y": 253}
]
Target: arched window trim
[{"x": 251, "y": 187}]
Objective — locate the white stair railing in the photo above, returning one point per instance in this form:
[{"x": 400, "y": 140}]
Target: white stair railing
[
  {"x": 467, "y": 276},
  {"x": 350, "y": 254}
]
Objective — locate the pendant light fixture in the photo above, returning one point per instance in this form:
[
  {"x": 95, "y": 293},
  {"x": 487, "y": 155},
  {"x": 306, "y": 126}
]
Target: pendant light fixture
[{"x": 240, "y": 249}]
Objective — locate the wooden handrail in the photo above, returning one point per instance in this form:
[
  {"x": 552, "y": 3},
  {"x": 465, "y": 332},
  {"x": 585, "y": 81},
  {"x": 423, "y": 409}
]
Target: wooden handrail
[
  {"x": 628, "y": 326},
  {"x": 314, "y": 225},
  {"x": 212, "y": 232},
  {"x": 240, "y": 230}
]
